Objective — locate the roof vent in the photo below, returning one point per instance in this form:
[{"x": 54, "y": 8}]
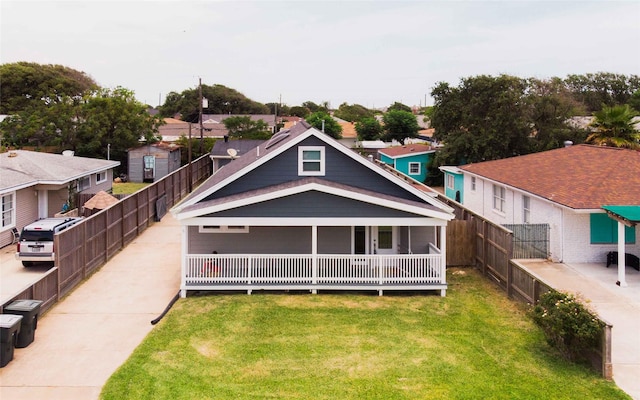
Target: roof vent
[
  {"x": 13, "y": 154},
  {"x": 568, "y": 143},
  {"x": 68, "y": 153}
]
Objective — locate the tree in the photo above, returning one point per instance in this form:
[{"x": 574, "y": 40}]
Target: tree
[
  {"x": 614, "y": 127},
  {"x": 243, "y": 126},
  {"x": 313, "y": 107},
  {"x": 352, "y": 113},
  {"x": 634, "y": 101},
  {"x": 299, "y": 111},
  {"x": 551, "y": 105},
  {"x": 602, "y": 88},
  {"x": 399, "y": 107},
  {"x": 484, "y": 118},
  {"x": 220, "y": 99},
  {"x": 368, "y": 128},
  {"x": 400, "y": 125},
  {"x": 27, "y": 85},
  {"x": 321, "y": 119}
]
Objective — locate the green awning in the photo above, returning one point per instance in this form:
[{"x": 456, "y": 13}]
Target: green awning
[{"x": 629, "y": 215}]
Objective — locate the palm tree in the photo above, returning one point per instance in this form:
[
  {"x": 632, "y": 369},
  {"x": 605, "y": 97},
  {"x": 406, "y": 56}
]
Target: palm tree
[{"x": 614, "y": 127}]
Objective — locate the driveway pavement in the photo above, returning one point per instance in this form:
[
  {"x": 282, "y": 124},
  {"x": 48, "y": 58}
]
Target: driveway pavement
[
  {"x": 82, "y": 340},
  {"x": 619, "y": 306}
]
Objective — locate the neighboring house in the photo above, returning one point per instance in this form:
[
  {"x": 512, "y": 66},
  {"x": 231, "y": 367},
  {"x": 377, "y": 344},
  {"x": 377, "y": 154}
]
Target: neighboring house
[
  {"x": 224, "y": 151},
  {"x": 349, "y": 136},
  {"x": 303, "y": 212},
  {"x": 37, "y": 185},
  {"x": 565, "y": 188},
  {"x": 152, "y": 162},
  {"x": 411, "y": 159},
  {"x": 269, "y": 119},
  {"x": 173, "y": 129}
]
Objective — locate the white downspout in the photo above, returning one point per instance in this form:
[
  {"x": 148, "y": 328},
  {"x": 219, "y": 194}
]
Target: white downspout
[
  {"x": 621, "y": 256},
  {"x": 314, "y": 256},
  {"x": 443, "y": 252},
  {"x": 183, "y": 262}
]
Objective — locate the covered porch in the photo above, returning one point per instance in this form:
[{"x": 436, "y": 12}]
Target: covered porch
[{"x": 330, "y": 255}]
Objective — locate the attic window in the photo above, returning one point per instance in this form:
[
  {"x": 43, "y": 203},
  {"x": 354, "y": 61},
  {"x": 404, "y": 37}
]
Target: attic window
[{"x": 311, "y": 161}]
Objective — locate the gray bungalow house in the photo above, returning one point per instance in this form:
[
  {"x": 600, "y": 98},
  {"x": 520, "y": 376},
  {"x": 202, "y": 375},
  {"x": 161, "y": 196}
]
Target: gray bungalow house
[
  {"x": 37, "y": 185},
  {"x": 303, "y": 212}
]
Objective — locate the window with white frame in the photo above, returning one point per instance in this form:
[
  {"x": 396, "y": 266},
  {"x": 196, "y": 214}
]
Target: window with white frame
[
  {"x": 414, "y": 168},
  {"x": 101, "y": 177},
  {"x": 473, "y": 183},
  {"x": 311, "y": 160},
  {"x": 526, "y": 209},
  {"x": 450, "y": 181},
  {"x": 8, "y": 210},
  {"x": 499, "y": 196},
  {"x": 84, "y": 183},
  {"x": 223, "y": 229}
]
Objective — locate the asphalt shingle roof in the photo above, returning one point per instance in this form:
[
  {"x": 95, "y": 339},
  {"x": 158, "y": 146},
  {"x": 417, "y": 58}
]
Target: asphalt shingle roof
[
  {"x": 579, "y": 177},
  {"x": 398, "y": 151}
]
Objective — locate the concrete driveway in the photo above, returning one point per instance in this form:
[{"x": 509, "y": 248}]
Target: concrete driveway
[
  {"x": 14, "y": 278},
  {"x": 84, "y": 338},
  {"x": 619, "y": 306}
]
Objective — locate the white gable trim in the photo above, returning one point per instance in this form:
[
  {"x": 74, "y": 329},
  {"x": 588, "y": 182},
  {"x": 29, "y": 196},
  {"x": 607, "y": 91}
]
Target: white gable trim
[
  {"x": 407, "y": 154},
  {"x": 320, "y": 188},
  {"x": 317, "y": 221},
  {"x": 330, "y": 142}
]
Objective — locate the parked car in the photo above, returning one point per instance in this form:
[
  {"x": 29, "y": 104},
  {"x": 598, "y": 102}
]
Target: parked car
[{"x": 36, "y": 239}]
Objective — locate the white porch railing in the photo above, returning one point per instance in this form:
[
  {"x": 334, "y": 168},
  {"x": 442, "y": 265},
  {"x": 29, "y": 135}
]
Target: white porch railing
[{"x": 323, "y": 270}]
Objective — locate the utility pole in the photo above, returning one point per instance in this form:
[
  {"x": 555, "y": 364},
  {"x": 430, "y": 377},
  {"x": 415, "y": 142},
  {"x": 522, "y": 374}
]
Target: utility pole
[
  {"x": 190, "y": 179},
  {"x": 200, "y": 99}
]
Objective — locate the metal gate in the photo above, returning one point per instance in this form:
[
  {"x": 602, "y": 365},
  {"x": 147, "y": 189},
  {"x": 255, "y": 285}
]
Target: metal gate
[{"x": 530, "y": 240}]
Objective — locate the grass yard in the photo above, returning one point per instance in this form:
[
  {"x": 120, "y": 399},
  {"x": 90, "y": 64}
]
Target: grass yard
[
  {"x": 127, "y": 187},
  {"x": 472, "y": 344}
]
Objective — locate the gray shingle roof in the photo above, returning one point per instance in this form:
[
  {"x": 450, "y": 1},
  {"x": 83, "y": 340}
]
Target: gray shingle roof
[{"x": 21, "y": 168}]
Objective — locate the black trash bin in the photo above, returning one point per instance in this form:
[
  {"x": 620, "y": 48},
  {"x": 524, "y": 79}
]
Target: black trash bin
[
  {"x": 9, "y": 330},
  {"x": 29, "y": 310}
]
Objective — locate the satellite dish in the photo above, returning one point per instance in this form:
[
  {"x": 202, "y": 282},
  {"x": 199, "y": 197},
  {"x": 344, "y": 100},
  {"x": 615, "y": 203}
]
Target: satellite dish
[{"x": 232, "y": 152}]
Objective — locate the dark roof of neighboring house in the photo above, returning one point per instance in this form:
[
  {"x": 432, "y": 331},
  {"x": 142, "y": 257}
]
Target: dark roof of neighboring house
[
  {"x": 22, "y": 168},
  {"x": 221, "y": 147},
  {"x": 406, "y": 150},
  {"x": 579, "y": 177}
]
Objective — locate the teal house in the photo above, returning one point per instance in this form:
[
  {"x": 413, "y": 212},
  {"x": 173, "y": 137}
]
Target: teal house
[
  {"x": 453, "y": 183},
  {"x": 410, "y": 159}
]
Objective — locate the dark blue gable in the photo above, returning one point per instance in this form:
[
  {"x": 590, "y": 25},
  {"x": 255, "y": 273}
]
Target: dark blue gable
[
  {"x": 338, "y": 168},
  {"x": 313, "y": 204}
]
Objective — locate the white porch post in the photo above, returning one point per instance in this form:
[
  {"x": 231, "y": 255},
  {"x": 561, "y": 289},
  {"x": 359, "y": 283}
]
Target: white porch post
[
  {"x": 43, "y": 203},
  {"x": 443, "y": 258},
  {"x": 621, "y": 258},
  {"x": 314, "y": 256},
  {"x": 183, "y": 262}
]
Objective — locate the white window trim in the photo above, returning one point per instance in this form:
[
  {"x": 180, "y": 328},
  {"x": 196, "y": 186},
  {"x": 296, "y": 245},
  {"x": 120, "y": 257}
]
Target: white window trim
[
  {"x": 526, "y": 209},
  {"x": 499, "y": 198},
  {"x": 451, "y": 182},
  {"x": 98, "y": 180},
  {"x": 412, "y": 164},
  {"x": 473, "y": 183},
  {"x": 13, "y": 212},
  {"x": 301, "y": 162},
  {"x": 82, "y": 188},
  {"x": 223, "y": 229}
]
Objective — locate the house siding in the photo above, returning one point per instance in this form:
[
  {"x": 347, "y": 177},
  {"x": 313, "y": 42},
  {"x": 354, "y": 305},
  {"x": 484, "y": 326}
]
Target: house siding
[
  {"x": 56, "y": 199},
  {"x": 338, "y": 168},
  {"x": 165, "y": 162},
  {"x": 26, "y": 204},
  {"x": 458, "y": 185},
  {"x": 259, "y": 240},
  {"x": 313, "y": 204}
]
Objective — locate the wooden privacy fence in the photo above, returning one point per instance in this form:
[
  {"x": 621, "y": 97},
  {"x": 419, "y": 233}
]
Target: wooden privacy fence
[
  {"x": 490, "y": 248},
  {"x": 86, "y": 246}
]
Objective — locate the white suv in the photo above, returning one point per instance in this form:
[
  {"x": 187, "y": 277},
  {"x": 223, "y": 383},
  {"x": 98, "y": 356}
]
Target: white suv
[{"x": 36, "y": 239}]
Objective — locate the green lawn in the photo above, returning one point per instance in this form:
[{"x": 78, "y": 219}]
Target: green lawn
[
  {"x": 472, "y": 344},
  {"x": 127, "y": 187}
]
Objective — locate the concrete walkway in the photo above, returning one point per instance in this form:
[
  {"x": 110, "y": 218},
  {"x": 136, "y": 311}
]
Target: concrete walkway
[
  {"x": 83, "y": 339},
  {"x": 619, "y": 306}
]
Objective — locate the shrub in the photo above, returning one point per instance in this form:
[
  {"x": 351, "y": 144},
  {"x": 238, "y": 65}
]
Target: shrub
[{"x": 568, "y": 325}]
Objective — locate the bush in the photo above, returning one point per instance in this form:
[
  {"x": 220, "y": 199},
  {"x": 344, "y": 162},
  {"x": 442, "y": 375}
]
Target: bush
[{"x": 568, "y": 324}]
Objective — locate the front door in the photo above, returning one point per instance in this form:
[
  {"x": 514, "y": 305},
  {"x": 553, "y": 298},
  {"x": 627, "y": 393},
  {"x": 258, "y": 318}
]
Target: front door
[{"x": 385, "y": 239}]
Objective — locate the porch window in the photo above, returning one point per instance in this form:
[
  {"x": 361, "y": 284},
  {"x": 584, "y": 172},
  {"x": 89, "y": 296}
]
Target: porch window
[
  {"x": 223, "y": 229},
  {"x": 473, "y": 183},
  {"x": 84, "y": 183},
  {"x": 385, "y": 237},
  {"x": 499, "y": 197},
  {"x": 414, "y": 168},
  {"x": 101, "y": 177},
  {"x": 8, "y": 210},
  {"x": 526, "y": 209},
  {"x": 311, "y": 161}
]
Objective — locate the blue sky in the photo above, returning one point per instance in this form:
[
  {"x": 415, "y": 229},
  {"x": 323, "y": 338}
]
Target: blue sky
[{"x": 369, "y": 53}]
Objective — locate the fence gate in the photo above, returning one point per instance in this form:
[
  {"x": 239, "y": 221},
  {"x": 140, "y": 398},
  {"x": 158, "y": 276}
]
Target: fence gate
[
  {"x": 460, "y": 243},
  {"x": 530, "y": 240}
]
